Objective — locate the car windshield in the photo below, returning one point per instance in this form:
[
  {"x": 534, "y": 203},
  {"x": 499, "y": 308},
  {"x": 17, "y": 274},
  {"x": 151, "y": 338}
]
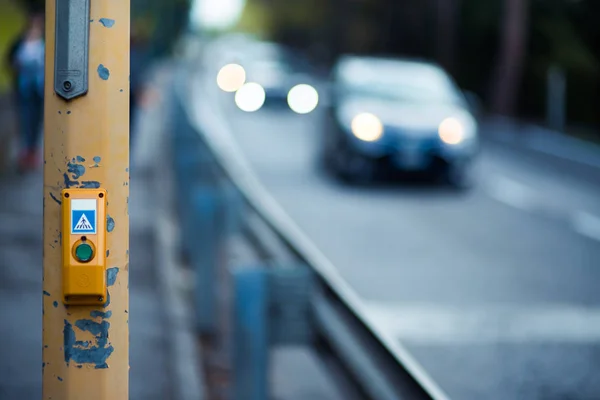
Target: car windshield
[{"x": 419, "y": 83}]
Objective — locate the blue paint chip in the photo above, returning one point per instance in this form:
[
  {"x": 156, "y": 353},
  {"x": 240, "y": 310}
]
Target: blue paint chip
[
  {"x": 68, "y": 340},
  {"x": 95, "y": 353},
  {"x": 111, "y": 276},
  {"x": 97, "y": 159},
  {"x": 55, "y": 304},
  {"x": 103, "y": 72},
  {"x": 68, "y": 182},
  {"x": 90, "y": 185},
  {"x": 107, "y": 253},
  {"x": 110, "y": 224},
  {"x": 46, "y": 293},
  {"x": 76, "y": 170},
  {"x": 101, "y": 314},
  {"x": 107, "y": 22},
  {"x": 80, "y": 159},
  {"x": 98, "y": 329},
  {"x": 59, "y": 378}
]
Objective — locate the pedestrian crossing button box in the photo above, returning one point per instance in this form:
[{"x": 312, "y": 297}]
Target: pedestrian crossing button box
[{"x": 84, "y": 246}]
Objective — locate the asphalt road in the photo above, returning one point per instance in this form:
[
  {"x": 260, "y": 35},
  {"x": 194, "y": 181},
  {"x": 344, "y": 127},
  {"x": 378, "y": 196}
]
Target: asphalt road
[{"x": 495, "y": 291}]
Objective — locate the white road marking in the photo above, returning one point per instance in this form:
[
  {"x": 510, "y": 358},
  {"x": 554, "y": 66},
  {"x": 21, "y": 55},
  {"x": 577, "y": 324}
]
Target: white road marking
[
  {"x": 519, "y": 195},
  {"x": 511, "y": 192},
  {"x": 587, "y": 224},
  {"x": 430, "y": 324}
]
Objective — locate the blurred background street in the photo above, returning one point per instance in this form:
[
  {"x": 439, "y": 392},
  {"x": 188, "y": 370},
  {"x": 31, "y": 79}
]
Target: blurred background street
[
  {"x": 499, "y": 283},
  {"x": 443, "y": 155}
]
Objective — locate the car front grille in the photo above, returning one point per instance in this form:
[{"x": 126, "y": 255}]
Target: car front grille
[{"x": 403, "y": 139}]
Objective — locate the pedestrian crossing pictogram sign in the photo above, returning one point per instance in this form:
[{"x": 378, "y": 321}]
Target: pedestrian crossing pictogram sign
[{"x": 83, "y": 216}]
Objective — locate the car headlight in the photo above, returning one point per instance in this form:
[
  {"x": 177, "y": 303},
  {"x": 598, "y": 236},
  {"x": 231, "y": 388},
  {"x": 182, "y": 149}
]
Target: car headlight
[
  {"x": 231, "y": 77},
  {"x": 367, "y": 127},
  {"x": 451, "y": 131},
  {"x": 303, "y": 99},
  {"x": 250, "y": 97}
]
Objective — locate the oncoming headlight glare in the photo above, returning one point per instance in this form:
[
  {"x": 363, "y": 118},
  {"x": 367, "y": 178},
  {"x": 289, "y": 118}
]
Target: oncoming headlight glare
[
  {"x": 303, "y": 99},
  {"x": 231, "y": 77},
  {"x": 367, "y": 127},
  {"x": 250, "y": 97},
  {"x": 451, "y": 131}
]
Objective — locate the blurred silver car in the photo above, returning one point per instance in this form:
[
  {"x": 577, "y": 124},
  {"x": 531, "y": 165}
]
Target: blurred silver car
[{"x": 401, "y": 114}]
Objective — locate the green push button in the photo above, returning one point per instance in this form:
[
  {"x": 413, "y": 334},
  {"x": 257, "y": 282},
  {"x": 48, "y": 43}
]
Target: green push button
[{"x": 84, "y": 252}]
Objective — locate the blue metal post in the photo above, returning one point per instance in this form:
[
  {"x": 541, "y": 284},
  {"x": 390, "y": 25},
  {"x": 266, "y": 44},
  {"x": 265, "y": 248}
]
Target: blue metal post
[
  {"x": 232, "y": 208},
  {"x": 187, "y": 167},
  {"x": 193, "y": 167},
  {"x": 204, "y": 226},
  {"x": 250, "y": 335}
]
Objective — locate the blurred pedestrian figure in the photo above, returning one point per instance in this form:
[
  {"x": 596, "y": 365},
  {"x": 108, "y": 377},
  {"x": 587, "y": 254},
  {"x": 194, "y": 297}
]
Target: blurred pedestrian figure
[{"x": 26, "y": 59}]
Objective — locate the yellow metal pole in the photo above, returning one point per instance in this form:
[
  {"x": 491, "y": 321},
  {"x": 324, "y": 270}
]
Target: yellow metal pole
[{"x": 86, "y": 146}]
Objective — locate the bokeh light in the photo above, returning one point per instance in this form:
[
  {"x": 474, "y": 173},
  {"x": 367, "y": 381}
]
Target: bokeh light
[
  {"x": 367, "y": 127},
  {"x": 250, "y": 97},
  {"x": 451, "y": 131},
  {"x": 303, "y": 99},
  {"x": 231, "y": 77},
  {"x": 216, "y": 14}
]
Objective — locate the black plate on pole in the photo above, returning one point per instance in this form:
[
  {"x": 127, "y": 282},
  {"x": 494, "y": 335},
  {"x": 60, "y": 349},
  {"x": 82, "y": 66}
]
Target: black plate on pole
[{"x": 72, "y": 48}]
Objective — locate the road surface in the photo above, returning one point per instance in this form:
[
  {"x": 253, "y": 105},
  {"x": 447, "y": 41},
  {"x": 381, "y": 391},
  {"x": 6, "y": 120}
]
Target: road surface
[{"x": 494, "y": 291}]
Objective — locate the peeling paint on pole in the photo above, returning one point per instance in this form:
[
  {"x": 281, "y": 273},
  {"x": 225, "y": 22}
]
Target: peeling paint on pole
[{"x": 86, "y": 146}]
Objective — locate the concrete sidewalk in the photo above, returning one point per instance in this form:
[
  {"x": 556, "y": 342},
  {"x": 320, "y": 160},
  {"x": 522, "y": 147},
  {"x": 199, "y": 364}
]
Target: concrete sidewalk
[{"x": 21, "y": 215}]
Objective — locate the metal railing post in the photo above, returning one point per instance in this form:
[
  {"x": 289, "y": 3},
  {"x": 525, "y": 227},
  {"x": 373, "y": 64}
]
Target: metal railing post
[
  {"x": 86, "y": 151},
  {"x": 204, "y": 218},
  {"x": 250, "y": 334}
]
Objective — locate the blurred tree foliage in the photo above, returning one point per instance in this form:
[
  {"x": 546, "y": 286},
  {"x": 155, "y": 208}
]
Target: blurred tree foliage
[
  {"x": 159, "y": 22},
  {"x": 500, "y": 49}
]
